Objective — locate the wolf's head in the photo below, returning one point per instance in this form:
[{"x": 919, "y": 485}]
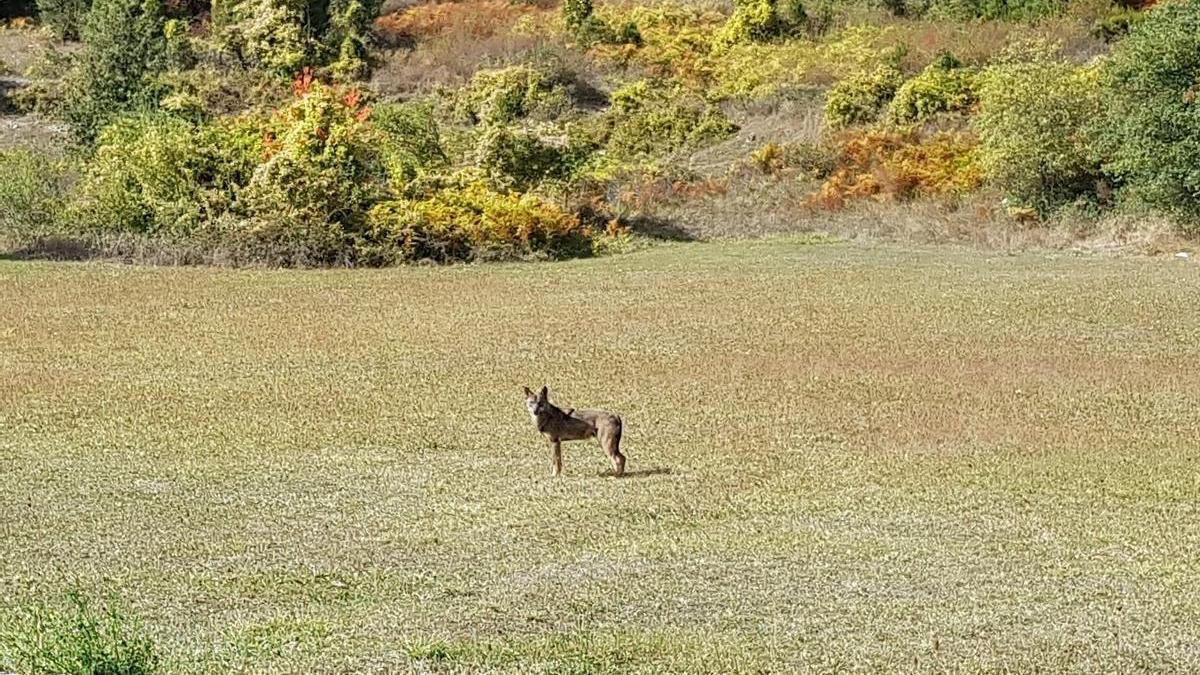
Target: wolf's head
[{"x": 538, "y": 403}]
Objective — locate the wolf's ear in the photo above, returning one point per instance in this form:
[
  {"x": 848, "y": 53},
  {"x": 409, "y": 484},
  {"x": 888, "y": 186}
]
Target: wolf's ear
[
  {"x": 528, "y": 392},
  {"x": 544, "y": 393}
]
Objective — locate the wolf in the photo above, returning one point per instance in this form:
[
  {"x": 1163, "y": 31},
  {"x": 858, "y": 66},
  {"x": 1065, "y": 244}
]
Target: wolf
[{"x": 574, "y": 425}]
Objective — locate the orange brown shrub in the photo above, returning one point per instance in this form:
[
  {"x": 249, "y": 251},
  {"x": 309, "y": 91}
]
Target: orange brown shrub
[{"x": 891, "y": 165}]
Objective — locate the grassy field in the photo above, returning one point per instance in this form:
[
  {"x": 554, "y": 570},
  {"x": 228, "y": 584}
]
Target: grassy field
[{"x": 843, "y": 458}]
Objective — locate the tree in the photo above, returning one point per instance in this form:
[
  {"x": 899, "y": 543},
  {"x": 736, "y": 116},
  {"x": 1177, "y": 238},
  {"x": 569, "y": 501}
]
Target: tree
[{"x": 125, "y": 51}]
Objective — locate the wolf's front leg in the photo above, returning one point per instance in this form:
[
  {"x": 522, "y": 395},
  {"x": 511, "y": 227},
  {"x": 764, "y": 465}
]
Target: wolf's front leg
[{"x": 556, "y": 452}]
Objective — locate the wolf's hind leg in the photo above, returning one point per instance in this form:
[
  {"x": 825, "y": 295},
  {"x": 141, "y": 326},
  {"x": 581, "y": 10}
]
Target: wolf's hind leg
[{"x": 610, "y": 441}]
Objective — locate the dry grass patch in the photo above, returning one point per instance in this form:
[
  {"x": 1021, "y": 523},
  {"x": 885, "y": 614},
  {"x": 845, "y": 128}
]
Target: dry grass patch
[
  {"x": 444, "y": 43},
  {"x": 844, "y": 458}
]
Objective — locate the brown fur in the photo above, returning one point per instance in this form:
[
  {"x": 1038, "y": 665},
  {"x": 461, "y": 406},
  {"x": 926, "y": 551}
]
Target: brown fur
[{"x": 559, "y": 425}]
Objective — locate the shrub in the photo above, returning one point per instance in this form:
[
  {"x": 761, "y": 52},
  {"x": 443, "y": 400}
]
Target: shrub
[
  {"x": 162, "y": 175},
  {"x": 32, "y": 192},
  {"x": 125, "y": 52},
  {"x": 1031, "y": 124},
  {"x": 650, "y": 119},
  {"x": 408, "y": 139},
  {"x": 899, "y": 165},
  {"x": 282, "y": 36},
  {"x": 505, "y": 95},
  {"x": 676, "y": 38},
  {"x": 214, "y": 90},
  {"x": 321, "y": 174},
  {"x": 751, "y": 70},
  {"x": 519, "y": 160},
  {"x": 761, "y": 21},
  {"x": 471, "y": 222},
  {"x": 589, "y": 29},
  {"x": 266, "y": 34},
  {"x": 346, "y": 36},
  {"x": 966, "y": 10},
  {"x": 1150, "y": 131},
  {"x": 1019, "y": 10},
  {"x": 576, "y": 13},
  {"x": 65, "y": 18},
  {"x": 943, "y": 86},
  {"x": 858, "y": 99},
  {"x": 1116, "y": 24},
  {"x": 80, "y": 636}
]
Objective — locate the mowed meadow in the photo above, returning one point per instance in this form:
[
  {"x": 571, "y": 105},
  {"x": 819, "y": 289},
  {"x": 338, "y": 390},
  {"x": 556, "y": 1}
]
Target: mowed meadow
[{"x": 842, "y": 458}]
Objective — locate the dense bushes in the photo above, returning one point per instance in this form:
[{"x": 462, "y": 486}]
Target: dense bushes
[
  {"x": 504, "y": 95},
  {"x": 409, "y": 140},
  {"x": 1150, "y": 132},
  {"x": 650, "y": 119},
  {"x": 31, "y": 193},
  {"x": 64, "y": 17},
  {"x": 321, "y": 173},
  {"x": 860, "y": 98},
  {"x": 145, "y": 177},
  {"x": 944, "y": 86},
  {"x": 346, "y": 37},
  {"x": 325, "y": 180},
  {"x": 900, "y": 165},
  {"x": 188, "y": 130},
  {"x": 520, "y": 160},
  {"x": 265, "y": 34},
  {"x": 589, "y": 29},
  {"x": 281, "y": 36},
  {"x": 963, "y": 10},
  {"x": 761, "y": 21},
  {"x": 470, "y": 222},
  {"x": 1033, "y": 122}
]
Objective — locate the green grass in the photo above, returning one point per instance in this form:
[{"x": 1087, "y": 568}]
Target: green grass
[
  {"x": 843, "y": 457},
  {"x": 77, "y": 635}
]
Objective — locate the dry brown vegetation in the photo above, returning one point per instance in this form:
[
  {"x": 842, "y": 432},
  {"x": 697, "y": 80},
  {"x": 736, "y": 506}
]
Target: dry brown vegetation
[{"x": 444, "y": 43}]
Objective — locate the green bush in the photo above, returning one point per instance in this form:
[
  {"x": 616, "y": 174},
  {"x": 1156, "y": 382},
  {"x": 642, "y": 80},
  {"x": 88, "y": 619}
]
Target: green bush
[
  {"x": 408, "y": 139},
  {"x": 118, "y": 72},
  {"x": 471, "y": 222},
  {"x": 1150, "y": 132},
  {"x": 266, "y": 34},
  {"x": 32, "y": 192},
  {"x": 77, "y": 637},
  {"x": 162, "y": 175},
  {"x": 589, "y": 29},
  {"x": 762, "y": 21},
  {"x": 519, "y": 160},
  {"x": 65, "y": 18},
  {"x": 347, "y": 36},
  {"x": 1117, "y": 24},
  {"x": 1032, "y": 128},
  {"x": 943, "y": 86},
  {"x": 504, "y": 95},
  {"x": 283, "y": 36},
  {"x": 576, "y": 13},
  {"x": 966, "y": 10},
  {"x": 653, "y": 119},
  {"x": 323, "y": 171},
  {"x": 859, "y": 98}
]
